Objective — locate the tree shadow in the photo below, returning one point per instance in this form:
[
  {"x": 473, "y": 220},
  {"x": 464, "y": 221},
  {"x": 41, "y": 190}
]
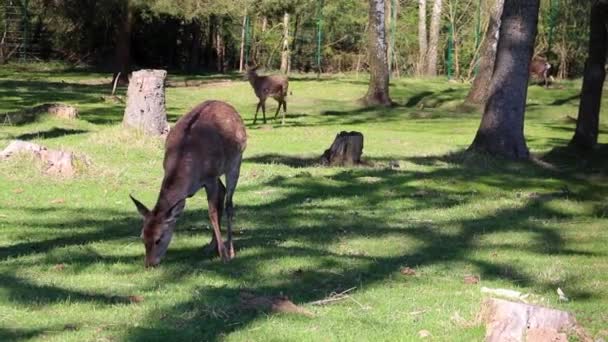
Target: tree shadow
[
  {"x": 304, "y": 212},
  {"x": 55, "y": 132},
  {"x": 560, "y": 102},
  {"x": 414, "y": 100}
]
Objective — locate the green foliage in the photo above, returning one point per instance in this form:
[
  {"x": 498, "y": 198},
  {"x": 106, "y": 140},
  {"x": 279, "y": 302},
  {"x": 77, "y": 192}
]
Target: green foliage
[{"x": 164, "y": 33}]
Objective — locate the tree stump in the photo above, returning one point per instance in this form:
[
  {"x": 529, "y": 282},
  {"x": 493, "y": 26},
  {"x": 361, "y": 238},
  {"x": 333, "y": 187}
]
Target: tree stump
[
  {"x": 146, "y": 102},
  {"x": 346, "y": 150}
]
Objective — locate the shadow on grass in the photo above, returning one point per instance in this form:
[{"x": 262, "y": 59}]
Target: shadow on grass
[
  {"x": 55, "y": 132},
  {"x": 302, "y": 214}
]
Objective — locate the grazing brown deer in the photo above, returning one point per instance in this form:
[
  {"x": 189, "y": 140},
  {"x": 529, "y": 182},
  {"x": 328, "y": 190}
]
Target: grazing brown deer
[
  {"x": 274, "y": 86},
  {"x": 204, "y": 144},
  {"x": 541, "y": 69}
]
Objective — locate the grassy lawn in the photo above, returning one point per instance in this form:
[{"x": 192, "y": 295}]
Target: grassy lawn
[{"x": 70, "y": 254}]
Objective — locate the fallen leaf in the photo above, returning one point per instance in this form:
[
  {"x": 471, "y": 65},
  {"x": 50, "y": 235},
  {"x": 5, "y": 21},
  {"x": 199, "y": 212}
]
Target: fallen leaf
[
  {"x": 471, "y": 279},
  {"x": 277, "y": 304},
  {"x": 407, "y": 271},
  {"x": 424, "y": 333},
  {"x": 136, "y": 299},
  {"x": 58, "y": 201}
]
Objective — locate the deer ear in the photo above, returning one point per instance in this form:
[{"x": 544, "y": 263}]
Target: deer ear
[
  {"x": 143, "y": 211},
  {"x": 175, "y": 211}
]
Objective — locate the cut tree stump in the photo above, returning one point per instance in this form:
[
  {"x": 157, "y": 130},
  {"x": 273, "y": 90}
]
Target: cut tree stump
[
  {"x": 145, "y": 109},
  {"x": 519, "y": 322},
  {"x": 56, "y": 162},
  {"x": 23, "y": 116},
  {"x": 346, "y": 150}
]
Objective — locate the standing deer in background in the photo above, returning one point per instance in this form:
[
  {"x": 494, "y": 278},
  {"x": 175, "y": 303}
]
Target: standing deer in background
[
  {"x": 204, "y": 144},
  {"x": 274, "y": 86},
  {"x": 541, "y": 69}
]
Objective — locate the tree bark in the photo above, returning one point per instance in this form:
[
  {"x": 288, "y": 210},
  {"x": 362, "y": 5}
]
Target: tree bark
[
  {"x": 122, "y": 58},
  {"x": 478, "y": 94},
  {"x": 434, "y": 39},
  {"x": 501, "y": 131},
  {"x": 242, "y": 57},
  {"x": 146, "y": 102},
  {"x": 220, "y": 47},
  {"x": 195, "y": 48},
  {"x": 422, "y": 41},
  {"x": 285, "y": 49},
  {"x": 587, "y": 125},
  {"x": 378, "y": 91}
]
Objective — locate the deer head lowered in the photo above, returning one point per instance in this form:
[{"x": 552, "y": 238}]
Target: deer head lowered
[
  {"x": 204, "y": 144},
  {"x": 274, "y": 86}
]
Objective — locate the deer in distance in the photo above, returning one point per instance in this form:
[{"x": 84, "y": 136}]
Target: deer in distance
[
  {"x": 274, "y": 86},
  {"x": 204, "y": 144},
  {"x": 541, "y": 69}
]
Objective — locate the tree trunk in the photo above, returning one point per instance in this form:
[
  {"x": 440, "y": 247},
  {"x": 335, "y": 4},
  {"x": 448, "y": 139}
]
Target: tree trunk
[
  {"x": 378, "y": 91},
  {"x": 501, "y": 131},
  {"x": 478, "y": 94},
  {"x": 422, "y": 38},
  {"x": 242, "y": 57},
  {"x": 220, "y": 48},
  {"x": 434, "y": 39},
  {"x": 195, "y": 48},
  {"x": 285, "y": 49},
  {"x": 146, "y": 102},
  {"x": 586, "y": 133},
  {"x": 123, "y": 43}
]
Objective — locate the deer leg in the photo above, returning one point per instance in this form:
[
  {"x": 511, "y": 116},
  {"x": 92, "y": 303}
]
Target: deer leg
[
  {"x": 278, "y": 108},
  {"x": 214, "y": 198},
  {"x": 284, "y": 111},
  {"x": 264, "y": 109},
  {"x": 232, "y": 177},
  {"x": 212, "y": 246},
  {"x": 255, "y": 117}
]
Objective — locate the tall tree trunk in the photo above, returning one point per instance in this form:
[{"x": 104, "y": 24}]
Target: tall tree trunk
[
  {"x": 422, "y": 38},
  {"x": 220, "y": 48},
  {"x": 195, "y": 47},
  {"x": 285, "y": 49},
  {"x": 243, "y": 31},
  {"x": 377, "y": 93},
  {"x": 586, "y": 133},
  {"x": 501, "y": 131},
  {"x": 478, "y": 94},
  {"x": 431, "y": 60},
  {"x": 122, "y": 57}
]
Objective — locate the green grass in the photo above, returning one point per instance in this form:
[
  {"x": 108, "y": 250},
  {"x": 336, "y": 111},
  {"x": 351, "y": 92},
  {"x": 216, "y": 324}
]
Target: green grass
[{"x": 302, "y": 230}]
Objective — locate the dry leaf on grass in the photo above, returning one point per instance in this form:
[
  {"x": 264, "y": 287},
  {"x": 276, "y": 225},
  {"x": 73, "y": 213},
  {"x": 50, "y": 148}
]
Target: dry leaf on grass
[
  {"x": 407, "y": 271},
  {"x": 471, "y": 279},
  {"x": 136, "y": 299},
  {"x": 424, "y": 333},
  {"x": 277, "y": 304},
  {"x": 59, "y": 267}
]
